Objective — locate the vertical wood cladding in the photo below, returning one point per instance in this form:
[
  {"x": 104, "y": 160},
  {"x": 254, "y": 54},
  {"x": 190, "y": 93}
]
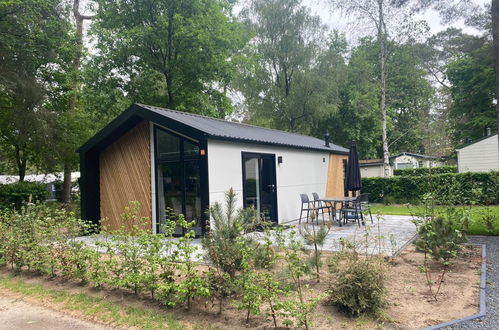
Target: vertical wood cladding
[
  {"x": 335, "y": 175},
  {"x": 125, "y": 175}
]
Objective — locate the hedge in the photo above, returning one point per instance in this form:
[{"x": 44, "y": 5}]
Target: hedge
[
  {"x": 17, "y": 194},
  {"x": 449, "y": 189},
  {"x": 425, "y": 170}
]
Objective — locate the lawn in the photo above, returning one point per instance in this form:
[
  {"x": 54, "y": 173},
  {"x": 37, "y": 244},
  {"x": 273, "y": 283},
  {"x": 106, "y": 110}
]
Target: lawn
[{"x": 479, "y": 214}]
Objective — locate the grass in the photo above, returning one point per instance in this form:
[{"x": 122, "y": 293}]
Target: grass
[
  {"x": 94, "y": 307},
  {"x": 478, "y": 214}
]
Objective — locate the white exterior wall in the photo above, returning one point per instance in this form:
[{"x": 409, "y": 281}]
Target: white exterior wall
[
  {"x": 481, "y": 156},
  {"x": 371, "y": 171},
  {"x": 302, "y": 171}
]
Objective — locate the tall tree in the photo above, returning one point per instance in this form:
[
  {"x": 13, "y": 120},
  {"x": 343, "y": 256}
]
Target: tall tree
[
  {"x": 375, "y": 13},
  {"x": 290, "y": 80},
  {"x": 473, "y": 15},
  {"x": 36, "y": 38},
  {"x": 170, "y": 53},
  {"x": 409, "y": 98},
  {"x": 68, "y": 154}
]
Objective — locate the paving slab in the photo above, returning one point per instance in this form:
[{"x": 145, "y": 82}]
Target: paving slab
[{"x": 387, "y": 235}]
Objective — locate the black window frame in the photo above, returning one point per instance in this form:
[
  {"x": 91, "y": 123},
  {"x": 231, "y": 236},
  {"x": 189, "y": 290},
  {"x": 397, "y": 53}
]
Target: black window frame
[
  {"x": 203, "y": 175},
  {"x": 245, "y": 155}
]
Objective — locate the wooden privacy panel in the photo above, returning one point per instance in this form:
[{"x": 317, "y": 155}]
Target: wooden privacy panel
[
  {"x": 125, "y": 175},
  {"x": 335, "y": 175}
]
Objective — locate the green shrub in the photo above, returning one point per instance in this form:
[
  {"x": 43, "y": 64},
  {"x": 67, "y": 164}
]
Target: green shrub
[
  {"x": 17, "y": 194},
  {"x": 450, "y": 189},
  {"x": 358, "y": 285},
  {"x": 229, "y": 225},
  {"x": 422, "y": 171}
]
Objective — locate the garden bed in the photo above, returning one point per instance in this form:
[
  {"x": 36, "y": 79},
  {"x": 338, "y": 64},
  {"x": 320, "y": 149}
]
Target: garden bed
[{"x": 410, "y": 304}]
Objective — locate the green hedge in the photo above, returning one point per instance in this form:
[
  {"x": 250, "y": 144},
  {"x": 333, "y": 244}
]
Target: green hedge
[
  {"x": 449, "y": 189},
  {"x": 17, "y": 194},
  {"x": 425, "y": 171}
]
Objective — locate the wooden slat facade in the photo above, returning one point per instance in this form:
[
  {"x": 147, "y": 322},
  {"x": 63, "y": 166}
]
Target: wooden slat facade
[
  {"x": 335, "y": 175},
  {"x": 125, "y": 175}
]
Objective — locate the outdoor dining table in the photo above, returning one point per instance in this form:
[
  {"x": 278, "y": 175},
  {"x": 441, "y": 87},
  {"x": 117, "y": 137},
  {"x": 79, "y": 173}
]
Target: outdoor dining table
[{"x": 338, "y": 199}]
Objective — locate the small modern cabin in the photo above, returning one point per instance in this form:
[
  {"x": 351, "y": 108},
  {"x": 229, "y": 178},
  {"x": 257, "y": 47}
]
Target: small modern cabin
[{"x": 170, "y": 160}]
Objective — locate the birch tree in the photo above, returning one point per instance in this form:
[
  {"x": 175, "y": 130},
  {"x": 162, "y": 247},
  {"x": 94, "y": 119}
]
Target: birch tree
[{"x": 374, "y": 13}]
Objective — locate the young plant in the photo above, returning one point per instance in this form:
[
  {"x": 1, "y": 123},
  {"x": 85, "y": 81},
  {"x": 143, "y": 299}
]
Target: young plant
[
  {"x": 247, "y": 282},
  {"x": 358, "y": 283},
  {"x": 192, "y": 284},
  {"x": 297, "y": 267},
  {"x": 316, "y": 238},
  {"x": 440, "y": 239},
  {"x": 227, "y": 226}
]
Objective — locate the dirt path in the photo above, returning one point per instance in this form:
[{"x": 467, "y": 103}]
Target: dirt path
[{"x": 18, "y": 314}]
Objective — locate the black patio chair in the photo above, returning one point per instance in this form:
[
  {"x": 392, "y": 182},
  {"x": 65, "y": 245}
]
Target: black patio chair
[
  {"x": 306, "y": 205},
  {"x": 356, "y": 209},
  {"x": 352, "y": 210},
  {"x": 321, "y": 206}
]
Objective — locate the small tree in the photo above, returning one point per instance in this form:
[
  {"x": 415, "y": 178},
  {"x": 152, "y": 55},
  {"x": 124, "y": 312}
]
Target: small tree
[
  {"x": 317, "y": 238},
  {"x": 228, "y": 226}
]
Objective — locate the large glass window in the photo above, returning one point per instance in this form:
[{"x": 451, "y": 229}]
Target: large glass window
[{"x": 178, "y": 178}]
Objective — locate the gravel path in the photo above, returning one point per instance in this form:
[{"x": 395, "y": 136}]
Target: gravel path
[
  {"x": 18, "y": 314},
  {"x": 491, "y": 319}
]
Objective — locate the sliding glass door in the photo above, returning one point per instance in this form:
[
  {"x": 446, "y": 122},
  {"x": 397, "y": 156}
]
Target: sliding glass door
[{"x": 178, "y": 172}]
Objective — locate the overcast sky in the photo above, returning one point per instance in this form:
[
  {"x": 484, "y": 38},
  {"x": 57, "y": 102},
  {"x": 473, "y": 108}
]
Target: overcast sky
[{"x": 336, "y": 21}]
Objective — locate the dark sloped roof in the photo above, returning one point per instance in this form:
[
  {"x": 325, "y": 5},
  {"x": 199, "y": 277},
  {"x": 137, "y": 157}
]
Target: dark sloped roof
[
  {"x": 475, "y": 141},
  {"x": 219, "y": 129}
]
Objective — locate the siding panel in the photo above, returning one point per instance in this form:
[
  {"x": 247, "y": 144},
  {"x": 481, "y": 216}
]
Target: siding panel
[
  {"x": 335, "y": 177},
  {"x": 125, "y": 169}
]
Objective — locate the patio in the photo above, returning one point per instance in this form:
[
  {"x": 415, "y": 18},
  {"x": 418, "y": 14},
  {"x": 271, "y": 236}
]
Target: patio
[{"x": 387, "y": 235}]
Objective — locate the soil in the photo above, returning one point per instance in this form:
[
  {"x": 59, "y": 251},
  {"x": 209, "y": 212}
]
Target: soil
[{"x": 411, "y": 305}]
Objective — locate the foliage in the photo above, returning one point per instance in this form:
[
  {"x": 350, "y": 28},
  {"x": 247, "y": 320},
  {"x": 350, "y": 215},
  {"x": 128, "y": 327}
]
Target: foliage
[
  {"x": 408, "y": 100},
  {"x": 449, "y": 189},
  {"x": 290, "y": 76},
  {"x": 18, "y": 194},
  {"x": 37, "y": 47},
  {"x": 440, "y": 237},
  {"x": 45, "y": 240},
  {"x": 422, "y": 171},
  {"x": 299, "y": 308},
  {"x": 317, "y": 238},
  {"x": 228, "y": 227},
  {"x": 193, "y": 284},
  {"x": 358, "y": 285},
  {"x": 169, "y": 53},
  {"x": 473, "y": 91}
]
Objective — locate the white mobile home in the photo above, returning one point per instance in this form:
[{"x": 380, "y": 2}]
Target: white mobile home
[
  {"x": 169, "y": 160},
  {"x": 479, "y": 156}
]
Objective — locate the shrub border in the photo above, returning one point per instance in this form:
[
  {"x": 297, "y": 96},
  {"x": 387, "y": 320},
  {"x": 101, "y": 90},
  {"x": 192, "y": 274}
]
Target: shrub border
[{"x": 483, "y": 296}]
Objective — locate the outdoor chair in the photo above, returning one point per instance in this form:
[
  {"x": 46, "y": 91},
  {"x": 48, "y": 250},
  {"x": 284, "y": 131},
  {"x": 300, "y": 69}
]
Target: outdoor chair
[
  {"x": 321, "y": 207},
  {"x": 356, "y": 209},
  {"x": 306, "y": 205},
  {"x": 352, "y": 210}
]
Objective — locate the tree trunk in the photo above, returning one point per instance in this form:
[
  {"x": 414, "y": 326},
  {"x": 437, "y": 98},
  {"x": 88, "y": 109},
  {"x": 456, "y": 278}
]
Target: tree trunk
[
  {"x": 66, "y": 185},
  {"x": 21, "y": 164},
  {"x": 79, "y": 18},
  {"x": 382, "y": 105},
  {"x": 495, "y": 35},
  {"x": 170, "y": 57}
]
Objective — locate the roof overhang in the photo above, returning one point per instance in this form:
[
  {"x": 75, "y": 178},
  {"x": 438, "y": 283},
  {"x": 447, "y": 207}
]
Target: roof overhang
[{"x": 136, "y": 113}]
